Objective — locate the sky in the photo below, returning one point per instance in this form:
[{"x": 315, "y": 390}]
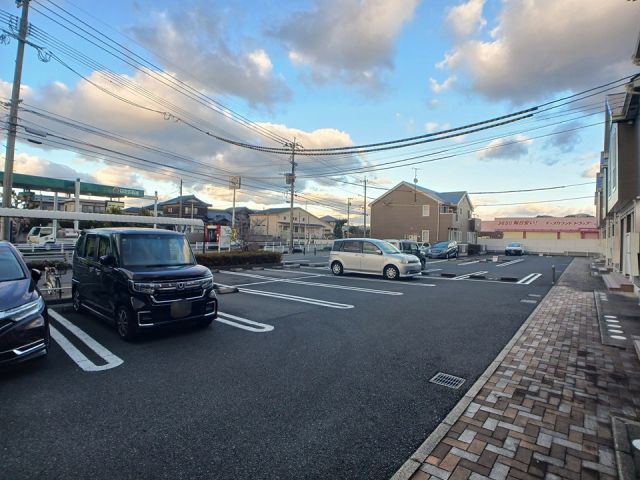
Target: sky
[{"x": 146, "y": 94}]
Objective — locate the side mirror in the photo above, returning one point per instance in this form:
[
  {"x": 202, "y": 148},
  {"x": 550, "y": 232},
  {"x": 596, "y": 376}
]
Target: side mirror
[
  {"x": 36, "y": 275},
  {"x": 107, "y": 260}
]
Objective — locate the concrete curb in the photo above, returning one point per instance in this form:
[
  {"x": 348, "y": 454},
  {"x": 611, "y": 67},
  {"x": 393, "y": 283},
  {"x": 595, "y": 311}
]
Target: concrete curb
[
  {"x": 420, "y": 455},
  {"x": 624, "y": 455}
]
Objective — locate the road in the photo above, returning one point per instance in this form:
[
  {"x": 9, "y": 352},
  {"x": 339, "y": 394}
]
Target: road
[{"x": 304, "y": 375}]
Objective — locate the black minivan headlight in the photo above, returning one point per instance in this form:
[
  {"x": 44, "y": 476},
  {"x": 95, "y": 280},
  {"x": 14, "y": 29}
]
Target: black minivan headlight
[{"x": 27, "y": 310}]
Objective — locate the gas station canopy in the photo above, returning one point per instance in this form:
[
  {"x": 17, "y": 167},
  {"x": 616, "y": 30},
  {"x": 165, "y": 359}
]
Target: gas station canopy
[{"x": 32, "y": 182}]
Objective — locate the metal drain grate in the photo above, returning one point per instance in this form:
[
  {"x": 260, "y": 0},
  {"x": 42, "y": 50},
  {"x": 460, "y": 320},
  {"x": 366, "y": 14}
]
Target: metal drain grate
[{"x": 447, "y": 380}]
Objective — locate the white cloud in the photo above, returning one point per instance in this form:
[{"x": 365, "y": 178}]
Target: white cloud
[
  {"x": 565, "y": 137},
  {"x": 545, "y": 46},
  {"x": 508, "y": 148},
  {"x": 431, "y": 127},
  {"x": 208, "y": 160},
  {"x": 466, "y": 19},
  {"x": 442, "y": 87},
  {"x": 592, "y": 171},
  {"x": 351, "y": 41},
  {"x": 196, "y": 42}
]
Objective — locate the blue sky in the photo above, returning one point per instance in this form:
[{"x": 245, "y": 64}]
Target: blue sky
[{"x": 330, "y": 73}]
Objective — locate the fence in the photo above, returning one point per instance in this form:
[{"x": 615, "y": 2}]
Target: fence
[{"x": 579, "y": 247}]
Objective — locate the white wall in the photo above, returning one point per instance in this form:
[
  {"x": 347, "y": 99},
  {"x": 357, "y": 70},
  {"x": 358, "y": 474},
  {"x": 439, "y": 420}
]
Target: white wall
[{"x": 540, "y": 245}]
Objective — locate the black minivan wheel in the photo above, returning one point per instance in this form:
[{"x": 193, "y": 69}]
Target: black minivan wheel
[{"x": 125, "y": 324}]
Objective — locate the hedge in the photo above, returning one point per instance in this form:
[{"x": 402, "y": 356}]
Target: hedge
[
  {"x": 62, "y": 267},
  {"x": 224, "y": 259}
]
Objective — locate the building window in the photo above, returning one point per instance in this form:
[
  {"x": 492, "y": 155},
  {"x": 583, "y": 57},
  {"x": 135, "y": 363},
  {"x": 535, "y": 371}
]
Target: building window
[
  {"x": 425, "y": 235},
  {"x": 170, "y": 210},
  {"x": 284, "y": 218},
  {"x": 425, "y": 210}
]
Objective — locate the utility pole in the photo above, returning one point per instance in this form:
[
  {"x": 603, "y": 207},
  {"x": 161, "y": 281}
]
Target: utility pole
[
  {"x": 348, "y": 211},
  {"x": 365, "y": 207},
  {"x": 7, "y": 182},
  {"x": 292, "y": 180},
  {"x": 180, "y": 214}
]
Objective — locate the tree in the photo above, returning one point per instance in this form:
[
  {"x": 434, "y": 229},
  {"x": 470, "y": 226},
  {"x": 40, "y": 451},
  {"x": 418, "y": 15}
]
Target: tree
[{"x": 337, "y": 228}]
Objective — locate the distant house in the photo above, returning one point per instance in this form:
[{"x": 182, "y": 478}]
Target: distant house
[
  {"x": 273, "y": 225},
  {"x": 413, "y": 212},
  {"x": 186, "y": 206}
]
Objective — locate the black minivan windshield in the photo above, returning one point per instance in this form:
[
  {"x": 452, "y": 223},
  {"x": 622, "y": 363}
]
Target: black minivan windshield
[{"x": 149, "y": 250}]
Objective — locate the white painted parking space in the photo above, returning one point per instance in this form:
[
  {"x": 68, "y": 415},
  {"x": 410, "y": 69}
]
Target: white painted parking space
[
  {"x": 467, "y": 275},
  {"x": 243, "y": 323},
  {"x": 529, "y": 279},
  {"x": 469, "y": 263},
  {"x": 293, "y": 298},
  {"x": 512, "y": 262},
  {"x": 315, "y": 284},
  {"x": 74, "y": 353}
]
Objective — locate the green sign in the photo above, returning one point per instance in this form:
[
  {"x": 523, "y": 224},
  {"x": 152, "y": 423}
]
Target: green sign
[{"x": 32, "y": 182}]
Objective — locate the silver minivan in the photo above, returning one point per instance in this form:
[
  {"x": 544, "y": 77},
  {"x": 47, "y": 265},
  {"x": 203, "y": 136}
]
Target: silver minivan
[{"x": 369, "y": 255}]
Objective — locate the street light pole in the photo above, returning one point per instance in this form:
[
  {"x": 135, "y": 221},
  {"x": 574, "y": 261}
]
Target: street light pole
[
  {"x": 348, "y": 211},
  {"x": 7, "y": 181}
]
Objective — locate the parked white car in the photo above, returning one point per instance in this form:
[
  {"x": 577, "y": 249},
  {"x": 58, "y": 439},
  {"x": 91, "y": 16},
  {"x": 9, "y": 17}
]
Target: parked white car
[{"x": 372, "y": 256}]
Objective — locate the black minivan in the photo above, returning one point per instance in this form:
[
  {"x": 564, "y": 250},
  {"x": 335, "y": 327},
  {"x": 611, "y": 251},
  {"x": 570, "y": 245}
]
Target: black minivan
[{"x": 141, "y": 278}]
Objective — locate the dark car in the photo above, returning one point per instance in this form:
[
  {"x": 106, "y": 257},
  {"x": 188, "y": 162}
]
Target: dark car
[
  {"x": 140, "y": 278},
  {"x": 446, "y": 249},
  {"x": 410, "y": 247},
  {"x": 24, "y": 320}
]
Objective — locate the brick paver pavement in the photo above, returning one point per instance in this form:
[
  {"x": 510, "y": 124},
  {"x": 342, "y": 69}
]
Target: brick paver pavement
[{"x": 546, "y": 410}]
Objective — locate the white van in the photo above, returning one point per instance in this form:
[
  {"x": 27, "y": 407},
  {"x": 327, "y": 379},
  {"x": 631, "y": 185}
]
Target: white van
[{"x": 43, "y": 235}]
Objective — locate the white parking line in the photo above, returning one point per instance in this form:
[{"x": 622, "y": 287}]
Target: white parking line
[
  {"x": 322, "y": 285},
  {"x": 470, "y": 263},
  {"x": 432, "y": 270},
  {"x": 437, "y": 261},
  {"x": 512, "y": 262},
  {"x": 75, "y": 354},
  {"x": 295, "y": 298},
  {"x": 467, "y": 275},
  {"x": 529, "y": 279},
  {"x": 243, "y": 323}
]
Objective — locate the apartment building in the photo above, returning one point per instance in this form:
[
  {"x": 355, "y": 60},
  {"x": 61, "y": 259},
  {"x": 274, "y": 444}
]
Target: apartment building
[
  {"x": 417, "y": 213},
  {"x": 618, "y": 182}
]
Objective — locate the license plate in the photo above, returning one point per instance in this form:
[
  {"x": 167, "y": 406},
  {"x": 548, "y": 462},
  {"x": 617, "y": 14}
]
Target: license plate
[{"x": 180, "y": 309}]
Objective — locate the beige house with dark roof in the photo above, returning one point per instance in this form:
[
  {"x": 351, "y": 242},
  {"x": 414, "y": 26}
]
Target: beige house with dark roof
[
  {"x": 273, "y": 223},
  {"x": 417, "y": 213}
]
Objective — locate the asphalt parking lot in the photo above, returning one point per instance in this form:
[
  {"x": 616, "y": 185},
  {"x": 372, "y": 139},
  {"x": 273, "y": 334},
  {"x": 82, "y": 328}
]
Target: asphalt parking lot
[{"x": 303, "y": 375}]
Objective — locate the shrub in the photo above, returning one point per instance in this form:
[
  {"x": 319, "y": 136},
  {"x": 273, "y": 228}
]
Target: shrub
[
  {"x": 226, "y": 259},
  {"x": 40, "y": 264}
]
